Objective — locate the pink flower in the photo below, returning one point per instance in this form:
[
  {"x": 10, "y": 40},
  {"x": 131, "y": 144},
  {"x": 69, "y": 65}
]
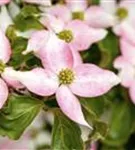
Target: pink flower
[
  {"x": 66, "y": 79},
  {"x": 39, "y": 2},
  {"x": 119, "y": 16},
  {"x": 71, "y": 33},
  {"x": 125, "y": 64}
]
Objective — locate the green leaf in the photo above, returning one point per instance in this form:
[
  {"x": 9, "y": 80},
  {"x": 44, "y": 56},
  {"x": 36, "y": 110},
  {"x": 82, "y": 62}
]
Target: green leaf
[
  {"x": 29, "y": 10},
  {"x": 18, "y": 46},
  {"x": 66, "y": 134},
  {"x": 18, "y": 114},
  {"x": 92, "y": 55},
  {"x": 18, "y": 60},
  {"x": 120, "y": 125},
  {"x": 109, "y": 48},
  {"x": 94, "y": 2},
  {"x": 93, "y": 108},
  {"x": 28, "y": 19},
  {"x": 94, "y": 105}
]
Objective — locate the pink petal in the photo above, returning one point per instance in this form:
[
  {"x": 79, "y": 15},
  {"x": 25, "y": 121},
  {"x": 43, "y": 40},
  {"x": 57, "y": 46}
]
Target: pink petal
[
  {"x": 56, "y": 55},
  {"x": 100, "y": 19},
  {"x": 126, "y": 71},
  {"x": 117, "y": 29},
  {"x": 76, "y": 58},
  {"x": 70, "y": 105},
  {"x": 3, "y": 2},
  {"x": 60, "y": 11},
  {"x": 3, "y": 93},
  {"x": 5, "y": 49},
  {"x": 92, "y": 81},
  {"x": 34, "y": 44},
  {"x": 52, "y": 23},
  {"x": 109, "y": 6},
  {"x": 125, "y": 30},
  {"x": 127, "y": 50},
  {"x": 39, "y": 81},
  {"x": 77, "y": 5},
  {"x": 7, "y": 75},
  {"x": 82, "y": 39},
  {"x": 39, "y": 2}
]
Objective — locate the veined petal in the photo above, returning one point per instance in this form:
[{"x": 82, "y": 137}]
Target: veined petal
[
  {"x": 3, "y": 2},
  {"x": 56, "y": 55},
  {"x": 82, "y": 39},
  {"x": 8, "y": 76},
  {"x": 100, "y": 19},
  {"x": 5, "y": 49},
  {"x": 37, "y": 41},
  {"x": 5, "y": 19},
  {"x": 60, "y": 11},
  {"x": 109, "y": 6},
  {"x": 70, "y": 105},
  {"x": 127, "y": 50},
  {"x": 126, "y": 71},
  {"x": 39, "y": 81},
  {"x": 3, "y": 93},
  {"x": 92, "y": 81},
  {"x": 39, "y": 2},
  {"x": 77, "y": 5}
]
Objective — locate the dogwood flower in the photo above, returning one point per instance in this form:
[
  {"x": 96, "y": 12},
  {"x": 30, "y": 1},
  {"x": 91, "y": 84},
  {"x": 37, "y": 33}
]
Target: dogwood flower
[
  {"x": 125, "y": 64},
  {"x": 66, "y": 79},
  {"x": 77, "y": 34},
  {"x": 120, "y": 16}
]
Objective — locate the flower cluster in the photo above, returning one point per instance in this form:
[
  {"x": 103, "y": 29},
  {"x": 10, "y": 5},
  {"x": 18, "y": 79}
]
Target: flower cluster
[{"x": 67, "y": 30}]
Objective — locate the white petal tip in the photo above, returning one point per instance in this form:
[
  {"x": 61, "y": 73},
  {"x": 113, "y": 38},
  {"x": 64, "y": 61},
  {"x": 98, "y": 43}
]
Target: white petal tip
[{"x": 26, "y": 52}]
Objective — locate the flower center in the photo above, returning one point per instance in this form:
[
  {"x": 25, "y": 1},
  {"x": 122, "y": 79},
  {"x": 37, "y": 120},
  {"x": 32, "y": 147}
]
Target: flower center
[
  {"x": 78, "y": 15},
  {"x": 66, "y": 35},
  {"x": 66, "y": 76},
  {"x": 122, "y": 13}
]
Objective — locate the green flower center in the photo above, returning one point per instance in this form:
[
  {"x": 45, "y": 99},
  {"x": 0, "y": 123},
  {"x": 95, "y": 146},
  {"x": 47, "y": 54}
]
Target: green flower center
[
  {"x": 78, "y": 15},
  {"x": 66, "y": 35},
  {"x": 66, "y": 76},
  {"x": 122, "y": 13}
]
